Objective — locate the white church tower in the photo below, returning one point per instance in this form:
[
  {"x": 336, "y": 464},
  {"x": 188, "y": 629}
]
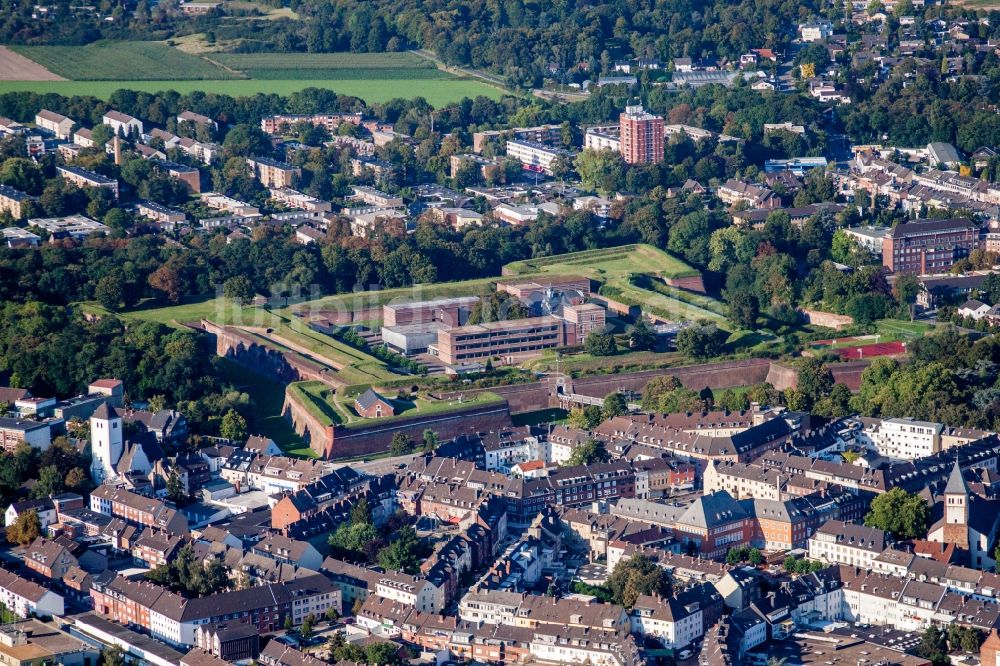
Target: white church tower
[{"x": 106, "y": 442}]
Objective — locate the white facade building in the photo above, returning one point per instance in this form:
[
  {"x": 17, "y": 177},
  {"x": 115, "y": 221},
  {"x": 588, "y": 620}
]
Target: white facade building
[
  {"x": 106, "y": 442},
  {"x": 903, "y": 438}
]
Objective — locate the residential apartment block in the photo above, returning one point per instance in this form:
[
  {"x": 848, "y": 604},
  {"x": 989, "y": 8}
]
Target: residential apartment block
[
  {"x": 901, "y": 439},
  {"x": 13, "y": 201},
  {"x": 25, "y": 598},
  {"x": 536, "y": 156},
  {"x": 328, "y": 121},
  {"x": 374, "y": 197},
  {"x": 54, "y": 122},
  {"x": 86, "y": 178},
  {"x": 838, "y": 542},
  {"x": 274, "y": 174},
  {"x": 122, "y": 123},
  {"x": 174, "y": 619},
  {"x": 295, "y": 199},
  {"x": 641, "y": 135},
  {"x": 137, "y": 509}
]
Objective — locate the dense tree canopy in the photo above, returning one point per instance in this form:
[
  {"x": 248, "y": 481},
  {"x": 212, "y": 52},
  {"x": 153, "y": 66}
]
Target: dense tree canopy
[{"x": 903, "y": 514}]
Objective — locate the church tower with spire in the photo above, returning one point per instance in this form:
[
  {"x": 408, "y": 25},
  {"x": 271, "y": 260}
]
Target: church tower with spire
[{"x": 956, "y": 509}]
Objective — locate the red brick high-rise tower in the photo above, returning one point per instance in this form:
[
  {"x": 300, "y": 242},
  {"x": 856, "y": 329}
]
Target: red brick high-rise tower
[{"x": 641, "y": 136}]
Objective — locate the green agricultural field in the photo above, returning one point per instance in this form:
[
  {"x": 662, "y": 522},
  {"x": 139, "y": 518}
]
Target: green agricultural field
[
  {"x": 116, "y": 61},
  {"x": 336, "y": 66},
  {"x": 101, "y": 68}
]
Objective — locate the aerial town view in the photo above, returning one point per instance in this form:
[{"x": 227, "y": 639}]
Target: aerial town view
[{"x": 431, "y": 332}]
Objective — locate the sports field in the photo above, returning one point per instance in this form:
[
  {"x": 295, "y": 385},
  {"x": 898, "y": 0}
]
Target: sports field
[{"x": 101, "y": 68}]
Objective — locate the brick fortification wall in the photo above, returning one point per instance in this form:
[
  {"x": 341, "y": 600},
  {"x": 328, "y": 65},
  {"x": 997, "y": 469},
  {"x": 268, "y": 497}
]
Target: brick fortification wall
[
  {"x": 542, "y": 395},
  {"x": 826, "y": 319},
  {"x": 848, "y": 373},
  {"x": 695, "y": 377},
  {"x": 285, "y": 367},
  {"x": 375, "y": 438},
  {"x": 520, "y": 397},
  {"x": 691, "y": 283},
  {"x": 306, "y": 425}
]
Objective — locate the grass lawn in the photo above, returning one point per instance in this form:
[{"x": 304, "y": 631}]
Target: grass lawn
[
  {"x": 617, "y": 267},
  {"x": 354, "y": 366},
  {"x": 665, "y": 306},
  {"x": 339, "y": 66},
  {"x": 899, "y": 329},
  {"x": 377, "y": 298},
  {"x": 437, "y": 92},
  {"x": 220, "y": 310},
  {"x": 330, "y": 408},
  {"x": 268, "y": 397},
  {"x": 116, "y": 60},
  {"x": 554, "y": 415},
  {"x": 584, "y": 363},
  {"x": 612, "y": 266},
  {"x": 607, "y": 264},
  {"x": 268, "y": 12},
  {"x": 318, "y": 399}
]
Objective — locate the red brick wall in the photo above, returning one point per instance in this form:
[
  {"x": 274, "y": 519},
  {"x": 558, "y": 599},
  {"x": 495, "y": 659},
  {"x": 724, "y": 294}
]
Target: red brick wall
[{"x": 348, "y": 442}]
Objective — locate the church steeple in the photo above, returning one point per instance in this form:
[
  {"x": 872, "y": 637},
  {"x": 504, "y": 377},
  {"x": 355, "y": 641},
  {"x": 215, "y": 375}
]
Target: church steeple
[{"x": 956, "y": 498}]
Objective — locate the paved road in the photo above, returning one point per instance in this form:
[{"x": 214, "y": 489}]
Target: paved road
[
  {"x": 839, "y": 151},
  {"x": 785, "y": 81},
  {"x": 382, "y": 465}
]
